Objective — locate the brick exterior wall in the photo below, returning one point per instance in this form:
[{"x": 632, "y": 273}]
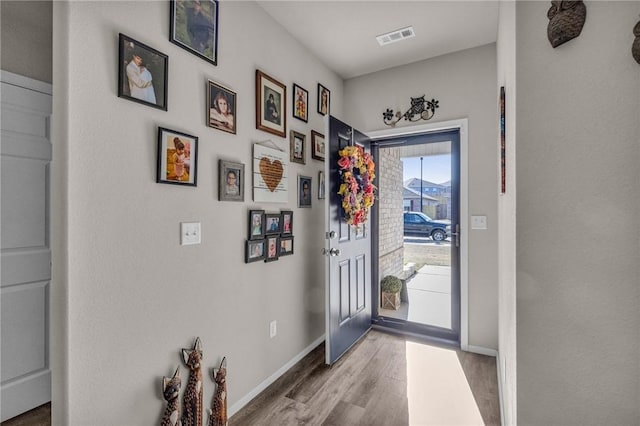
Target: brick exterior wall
[{"x": 390, "y": 210}]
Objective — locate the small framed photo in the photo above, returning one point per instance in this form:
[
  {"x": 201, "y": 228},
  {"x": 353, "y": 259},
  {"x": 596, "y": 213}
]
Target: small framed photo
[
  {"x": 300, "y": 103},
  {"x": 272, "y": 223},
  {"x": 321, "y": 185},
  {"x": 231, "y": 182},
  {"x": 272, "y": 244},
  {"x": 286, "y": 220},
  {"x": 271, "y": 104},
  {"x": 317, "y": 145},
  {"x": 254, "y": 251},
  {"x": 194, "y": 27},
  {"x": 286, "y": 246},
  {"x": 177, "y": 158},
  {"x": 142, "y": 73},
  {"x": 256, "y": 224},
  {"x": 324, "y": 99},
  {"x": 304, "y": 191},
  {"x": 298, "y": 153},
  {"x": 221, "y": 108}
]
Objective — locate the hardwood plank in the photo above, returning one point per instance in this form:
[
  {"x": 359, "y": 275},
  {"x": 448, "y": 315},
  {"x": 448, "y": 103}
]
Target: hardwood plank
[{"x": 369, "y": 386}]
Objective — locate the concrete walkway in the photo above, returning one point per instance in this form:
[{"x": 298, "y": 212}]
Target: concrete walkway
[{"x": 429, "y": 293}]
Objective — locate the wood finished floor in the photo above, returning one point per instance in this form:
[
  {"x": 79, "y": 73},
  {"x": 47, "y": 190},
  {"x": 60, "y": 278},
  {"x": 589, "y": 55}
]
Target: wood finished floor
[
  {"x": 39, "y": 416},
  {"x": 384, "y": 380}
]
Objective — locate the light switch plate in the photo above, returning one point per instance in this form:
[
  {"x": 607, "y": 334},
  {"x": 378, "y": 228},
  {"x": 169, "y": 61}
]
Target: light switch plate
[
  {"x": 478, "y": 222},
  {"x": 190, "y": 233}
]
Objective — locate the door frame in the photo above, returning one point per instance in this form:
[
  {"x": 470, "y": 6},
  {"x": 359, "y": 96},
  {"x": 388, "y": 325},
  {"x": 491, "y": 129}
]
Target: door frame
[{"x": 462, "y": 126}]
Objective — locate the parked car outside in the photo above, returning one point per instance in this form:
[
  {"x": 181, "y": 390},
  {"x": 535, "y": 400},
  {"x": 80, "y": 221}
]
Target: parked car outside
[{"x": 416, "y": 223}]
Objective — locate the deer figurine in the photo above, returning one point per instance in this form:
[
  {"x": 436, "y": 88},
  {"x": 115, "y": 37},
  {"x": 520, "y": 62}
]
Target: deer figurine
[
  {"x": 218, "y": 411},
  {"x": 171, "y": 392},
  {"x": 192, "y": 399}
]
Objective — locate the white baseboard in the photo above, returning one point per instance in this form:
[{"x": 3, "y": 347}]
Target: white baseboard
[
  {"x": 480, "y": 350},
  {"x": 499, "y": 372},
  {"x": 262, "y": 386}
]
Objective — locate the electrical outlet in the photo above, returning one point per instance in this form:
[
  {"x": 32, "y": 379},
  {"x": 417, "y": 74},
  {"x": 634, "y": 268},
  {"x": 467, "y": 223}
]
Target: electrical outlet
[{"x": 273, "y": 330}]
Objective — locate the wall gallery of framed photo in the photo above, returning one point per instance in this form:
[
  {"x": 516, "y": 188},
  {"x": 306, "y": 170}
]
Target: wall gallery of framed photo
[{"x": 288, "y": 121}]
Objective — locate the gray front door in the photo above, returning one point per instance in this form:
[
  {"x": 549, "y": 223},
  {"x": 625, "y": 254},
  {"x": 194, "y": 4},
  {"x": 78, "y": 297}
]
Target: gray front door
[
  {"x": 26, "y": 257},
  {"x": 348, "y": 310}
]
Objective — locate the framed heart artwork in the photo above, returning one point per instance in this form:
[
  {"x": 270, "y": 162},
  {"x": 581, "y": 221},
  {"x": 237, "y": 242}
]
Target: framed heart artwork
[{"x": 270, "y": 173}]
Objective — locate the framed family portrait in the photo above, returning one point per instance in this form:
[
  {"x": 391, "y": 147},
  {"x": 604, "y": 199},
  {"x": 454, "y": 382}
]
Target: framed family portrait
[
  {"x": 256, "y": 224},
  {"x": 286, "y": 246},
  {"x": 254, "y": 251},
  {"x": 194, "y": 27},
  {"x": 272, "y": 244},
  {"x": 231, "y": 182},
  {"x": 317, "y": 145},
  {"x": 142, "y": 73},
  {"x": 324, "y": 99},
  {"x": 271, "y": 104},
  {"x": 221, "y": 108},
  {"x": 287, "y": 222},
  {"x": 304, "y": 191},
  {"x": 272, "y": 223},
  {"x": 300, "y": 103},
  {"x": 177, "y": 158},
  {"x": 298, "y": 153}
]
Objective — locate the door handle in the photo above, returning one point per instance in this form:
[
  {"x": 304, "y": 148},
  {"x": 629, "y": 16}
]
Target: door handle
[
  {"x": 457, "y": 235},
  {"x": 331, "y": 252}
]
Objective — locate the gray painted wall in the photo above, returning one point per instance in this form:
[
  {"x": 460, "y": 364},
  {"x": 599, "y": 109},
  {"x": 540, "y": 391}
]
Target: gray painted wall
[
  {"x": 133, "y": 295},
  {"x": 464, "y": 83},
  {"x": 26, "y": 33},
  {"x": 578, "y": 235}
]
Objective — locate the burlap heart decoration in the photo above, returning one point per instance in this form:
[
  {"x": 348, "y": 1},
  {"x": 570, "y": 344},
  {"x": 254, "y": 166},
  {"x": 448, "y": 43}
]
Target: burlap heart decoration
[{"x": 271, "y": 172}]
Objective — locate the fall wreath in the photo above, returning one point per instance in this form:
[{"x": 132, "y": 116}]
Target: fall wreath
[{"x": 357, "y": 171}]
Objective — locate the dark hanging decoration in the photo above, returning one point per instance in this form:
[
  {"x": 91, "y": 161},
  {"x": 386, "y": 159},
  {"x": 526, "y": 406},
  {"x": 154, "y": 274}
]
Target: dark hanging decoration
[
  {"x": 566, "y": 19},
  {"x": 635, "y": 48},
  {"x": 420, "y": 109}
]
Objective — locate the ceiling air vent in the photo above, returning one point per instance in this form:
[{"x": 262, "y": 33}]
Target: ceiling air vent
[{"x": 396, "y": 35}]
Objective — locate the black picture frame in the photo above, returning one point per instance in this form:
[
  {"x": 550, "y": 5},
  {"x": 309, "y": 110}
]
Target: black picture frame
[
  {"x": 194, "y": 27},
  {"x": 272, "y": 248},
  {"x": 230, "y": 181},
  {"x": 286, "y": 246},
  {"x": 318, "y": 146},
  {"x": 324, "y": 105},
  {"x": 256, "y": 225},
  {"x": 142, "y": 73},
  {"x": 297, "y": 147},
  {"x": 286, "y": 222},
  {"x": 221, "y": 108},
  {"x": 304, "y": 191},
  {"x": 272, "y": 224},
  {"x": 300, "y": 103},
  {"x": 254, "y": 250},
  {"x": 177, "y": 158},
  {"x": 271, "y": 105}
]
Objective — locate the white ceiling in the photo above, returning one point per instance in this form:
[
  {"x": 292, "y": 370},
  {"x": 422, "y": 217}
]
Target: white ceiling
[{"x": 342, "y": 34}]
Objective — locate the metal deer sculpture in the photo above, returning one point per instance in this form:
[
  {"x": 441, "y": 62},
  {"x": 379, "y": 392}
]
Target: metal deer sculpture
[
  {"x": 566, "y": 19},
  {"x": 171, "y": 393},
  {"x": 192, "y": 399},
  {"x": 218, "y": 411}
]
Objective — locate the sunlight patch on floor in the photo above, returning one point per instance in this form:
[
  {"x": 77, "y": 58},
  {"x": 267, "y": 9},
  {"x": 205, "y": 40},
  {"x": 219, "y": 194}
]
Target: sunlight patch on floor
[{"x": 440, "y": 395}]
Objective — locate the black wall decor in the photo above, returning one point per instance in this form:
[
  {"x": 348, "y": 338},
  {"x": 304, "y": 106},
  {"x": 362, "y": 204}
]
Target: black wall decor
[
  {"x": 566, "y": 19},
  {"x": 635, "y": 48},
  {"x": 420, "y": 109}
]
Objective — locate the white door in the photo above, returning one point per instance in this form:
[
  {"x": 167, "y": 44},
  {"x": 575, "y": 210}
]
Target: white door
[{"x": 26, "y": 256}]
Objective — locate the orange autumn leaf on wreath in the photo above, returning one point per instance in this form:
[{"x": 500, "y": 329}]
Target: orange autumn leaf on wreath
[{"x": 357, "y": 172}]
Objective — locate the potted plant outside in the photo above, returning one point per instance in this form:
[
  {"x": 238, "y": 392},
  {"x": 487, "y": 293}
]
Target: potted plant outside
[{"x": 390, "y": 287}]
